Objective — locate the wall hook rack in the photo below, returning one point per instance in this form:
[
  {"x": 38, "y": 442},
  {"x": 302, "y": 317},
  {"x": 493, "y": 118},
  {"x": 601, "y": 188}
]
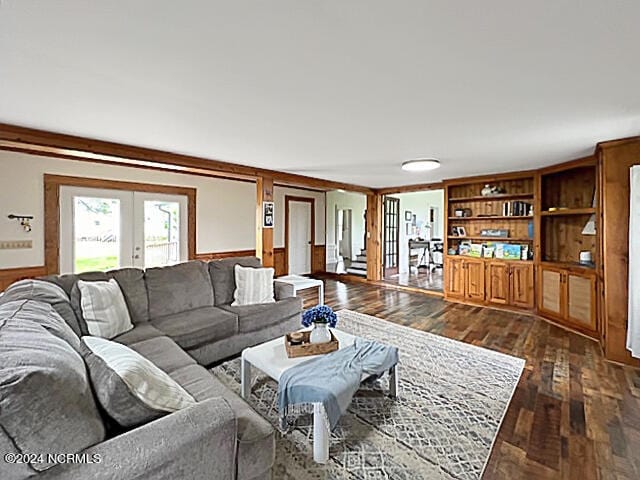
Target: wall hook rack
[{"x": 25, "y": 220}]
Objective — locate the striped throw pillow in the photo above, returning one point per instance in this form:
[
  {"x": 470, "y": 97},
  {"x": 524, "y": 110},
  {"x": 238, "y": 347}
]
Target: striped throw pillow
[
  {"x": 130, "y": 388},
  {"x": 253, "y": 285},
  {"x": 104, "y": 309}
]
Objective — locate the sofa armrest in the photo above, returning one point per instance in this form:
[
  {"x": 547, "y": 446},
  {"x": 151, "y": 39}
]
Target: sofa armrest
[
  {"x": 198, "y": 442},
  {"x": 283, "y": 289}
]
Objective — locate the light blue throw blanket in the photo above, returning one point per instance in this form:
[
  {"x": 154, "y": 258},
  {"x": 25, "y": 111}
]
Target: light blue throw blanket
[{"x": 332, "y": 380}]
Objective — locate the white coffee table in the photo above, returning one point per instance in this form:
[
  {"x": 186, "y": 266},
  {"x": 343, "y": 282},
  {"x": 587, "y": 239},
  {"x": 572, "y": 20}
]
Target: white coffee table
[
  {"x": 271, "y": 358},
  {"x": 301, "y": 283}
]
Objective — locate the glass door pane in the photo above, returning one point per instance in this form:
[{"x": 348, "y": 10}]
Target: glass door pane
[
  {"x": 161, "y": 233},
  {"x": 95, "y": 229},
  {"x": 160, "y": 229},
  {"x": 96, "y": 234}
]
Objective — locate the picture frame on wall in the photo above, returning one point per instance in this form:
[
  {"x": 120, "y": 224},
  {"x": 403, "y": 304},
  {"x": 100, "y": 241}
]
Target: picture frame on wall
[
  {"x": 407, "y": 216},
  {"x": 268, "y": 209}
]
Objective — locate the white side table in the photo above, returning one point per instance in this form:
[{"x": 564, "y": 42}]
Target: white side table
[
  {"x": 272, "y": 359},
  {"x": 301, "y": 283}
]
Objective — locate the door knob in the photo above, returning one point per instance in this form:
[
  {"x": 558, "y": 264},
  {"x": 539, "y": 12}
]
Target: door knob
[{"x": 136, "y": 256}]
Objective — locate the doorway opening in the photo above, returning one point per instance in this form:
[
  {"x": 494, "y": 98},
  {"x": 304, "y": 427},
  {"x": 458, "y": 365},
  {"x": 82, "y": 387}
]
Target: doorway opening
[
  {"x": 346, "y": 233},
  {"x": 299, "y": 234},
  {"x": 413, "y": 239}
]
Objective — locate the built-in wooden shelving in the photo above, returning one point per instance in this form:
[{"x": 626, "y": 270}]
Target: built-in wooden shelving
[{"x": 501, "y": 197}]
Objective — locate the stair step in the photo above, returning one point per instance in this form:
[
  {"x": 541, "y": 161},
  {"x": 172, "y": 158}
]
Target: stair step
[
  {"x": 361, "y": 258},
  {"x": 359, "y": 265},
  {"x": 357, "y": 271}
]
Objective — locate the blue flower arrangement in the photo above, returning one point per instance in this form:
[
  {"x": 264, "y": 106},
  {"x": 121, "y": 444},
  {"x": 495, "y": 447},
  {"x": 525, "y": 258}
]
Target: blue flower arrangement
[{"x": 319, "y": 314}]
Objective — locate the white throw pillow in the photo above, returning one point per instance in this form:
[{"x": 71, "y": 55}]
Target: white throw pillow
[
  {"x": 253, "y": 285},
  {"x": 140, "y": 378},
  {"x": 104, "y": 309}
]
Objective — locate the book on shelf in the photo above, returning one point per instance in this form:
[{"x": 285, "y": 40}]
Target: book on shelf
[{"x": 517, "y": 208}]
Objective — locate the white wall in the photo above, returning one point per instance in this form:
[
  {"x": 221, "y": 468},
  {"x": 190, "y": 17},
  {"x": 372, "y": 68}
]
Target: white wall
[
  {"x": 357, "y": 202},
  {"x": 225, "y": 208},
  {"x": 278, "y": 198},
  {"x": 418, "y": 203}
]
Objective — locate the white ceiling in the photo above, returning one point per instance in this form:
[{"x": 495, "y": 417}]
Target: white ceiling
[{"x": 342, "y": 90}]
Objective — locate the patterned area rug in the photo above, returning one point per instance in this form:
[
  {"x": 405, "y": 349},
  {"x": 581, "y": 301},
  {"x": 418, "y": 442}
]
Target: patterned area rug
[{"x": 451, "y": 402}]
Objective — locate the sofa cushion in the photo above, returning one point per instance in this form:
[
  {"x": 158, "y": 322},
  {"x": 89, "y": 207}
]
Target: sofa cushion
[
  {"x": 134, "y": 289},
  {"x": 257, "y": 317},
  {"x": 163, "y": 352},
  {"x": 104, "y": 309},
  {"x": 130, "y": 388},
  {"x": 46, "y": 292},
  {"x": 143, "y": 331},
  {"x": 223, "y": 276},
  {"x": 46, "y": 403},
  {"x": 196, "y": 327},
  {"x": 178, "y": 288},
  {"x": 256, "y": 439}
]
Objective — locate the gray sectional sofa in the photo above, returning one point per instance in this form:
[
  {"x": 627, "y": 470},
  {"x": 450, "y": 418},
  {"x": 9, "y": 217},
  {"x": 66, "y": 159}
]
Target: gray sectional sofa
[{"x": 183, "y": 320}]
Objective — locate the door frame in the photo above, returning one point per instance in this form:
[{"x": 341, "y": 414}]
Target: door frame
[
  {"x": 312, "y": 201},
  {"x": 52, "y": 184}
]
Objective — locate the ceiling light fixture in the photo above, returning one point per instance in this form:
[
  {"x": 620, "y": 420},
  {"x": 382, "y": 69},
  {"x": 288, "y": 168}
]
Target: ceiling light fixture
[{"x": 421, "y": 165}]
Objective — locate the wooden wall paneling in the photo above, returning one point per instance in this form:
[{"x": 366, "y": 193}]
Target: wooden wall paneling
[
  {"x": 292, "y": 198},
  {"x": 52, "y": 184},
  {"x": 11, "y": 275},
  {"x": 206, "y": 256},
  {"x": 264, "y": 235},
  {"x": 616, "y": 158},
  {"x": 279, "y": 262},
  {"x": 571, "y": 189},
  {"x": 319, "y": 261},
  {"x": 374, "y": 237}
]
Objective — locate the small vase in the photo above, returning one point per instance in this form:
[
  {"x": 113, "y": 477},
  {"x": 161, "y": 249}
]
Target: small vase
[{"x": 320, "y": 333}]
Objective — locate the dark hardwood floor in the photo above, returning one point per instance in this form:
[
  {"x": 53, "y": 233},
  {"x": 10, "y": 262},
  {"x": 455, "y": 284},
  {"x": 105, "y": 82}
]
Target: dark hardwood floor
[
  {"x": 424, "y": 280},
  {"x": 573, "y": 414}
]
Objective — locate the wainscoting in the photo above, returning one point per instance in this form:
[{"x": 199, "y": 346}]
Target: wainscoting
[
  {"x": 11, "y": 275},
  {"x": 218, "y": 255}
]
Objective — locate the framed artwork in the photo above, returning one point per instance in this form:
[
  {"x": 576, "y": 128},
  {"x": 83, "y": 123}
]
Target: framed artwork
[
  {"x": 407, "y": 216},
  {"x": 267, "y": 214}
]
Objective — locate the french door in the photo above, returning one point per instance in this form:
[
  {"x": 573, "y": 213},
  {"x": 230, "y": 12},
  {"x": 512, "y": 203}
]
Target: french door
[
  {"x": 106, "y": 229},
  {"x": 391, "y": 235}
]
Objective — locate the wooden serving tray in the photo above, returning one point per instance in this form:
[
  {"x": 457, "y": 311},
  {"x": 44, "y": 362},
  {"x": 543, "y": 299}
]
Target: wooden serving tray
[{"x": 305, "y": 349}]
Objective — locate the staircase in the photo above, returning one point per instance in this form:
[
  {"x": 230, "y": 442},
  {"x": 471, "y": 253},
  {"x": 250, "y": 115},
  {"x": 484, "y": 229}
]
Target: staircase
[{"x": 359, "y": 266}]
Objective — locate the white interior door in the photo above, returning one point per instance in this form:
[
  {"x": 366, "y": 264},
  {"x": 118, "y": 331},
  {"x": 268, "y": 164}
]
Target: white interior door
[
  {"x": 107, "y": 229},
  {"x": 299, "y": 241},
  {"x": 95, "y": 231}
]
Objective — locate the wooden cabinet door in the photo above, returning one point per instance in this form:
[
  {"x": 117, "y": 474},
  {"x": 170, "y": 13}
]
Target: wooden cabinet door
[
  {"x": 581, "y": 299},
  {"x": 455, "y": 277},
  {"x": 474, "y": 284},
  {"x": 497, "y": 286},
  {"x": 521, "y": 285},
  {"x": 551, "y": 292}
]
